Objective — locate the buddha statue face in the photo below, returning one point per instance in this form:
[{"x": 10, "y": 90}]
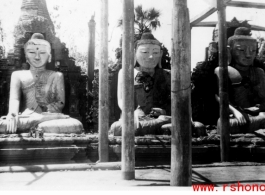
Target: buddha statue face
[
  {"x": 244, "y": 52},
  {"x": 148, "y": 55},
  {"x": 38, "y": 53}
]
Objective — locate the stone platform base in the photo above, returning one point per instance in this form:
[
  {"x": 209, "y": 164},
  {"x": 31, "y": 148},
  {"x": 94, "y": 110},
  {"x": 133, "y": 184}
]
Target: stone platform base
[
  {"x": 21, "y": 149},
  {"x": 17, "y": 149}
]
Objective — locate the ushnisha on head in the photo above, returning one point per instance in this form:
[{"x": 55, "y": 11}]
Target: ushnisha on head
[
  {"x": 148, "y": 52},
  {"x": 38, "y": 51},
  {"x": 242, "y": 47}
]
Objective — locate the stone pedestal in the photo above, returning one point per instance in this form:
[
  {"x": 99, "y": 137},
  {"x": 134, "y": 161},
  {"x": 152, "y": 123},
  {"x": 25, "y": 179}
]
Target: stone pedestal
[
  {"x": 20, "y": 149},
  {"x": 23, "y": 150}
]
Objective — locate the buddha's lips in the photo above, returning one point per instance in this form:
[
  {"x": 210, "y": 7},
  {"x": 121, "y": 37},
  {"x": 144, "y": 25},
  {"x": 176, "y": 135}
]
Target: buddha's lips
[
  {"x": 37, "y": 62},
  {"x": 150, "y": 61},
  {"x": 248, "y": 60}
]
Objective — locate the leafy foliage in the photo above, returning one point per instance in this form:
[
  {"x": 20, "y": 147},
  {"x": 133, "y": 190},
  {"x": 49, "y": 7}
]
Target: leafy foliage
[
  {"x": 144, "y": 21},
  {"x": 165, "y": 58},
  {"x": 92, "y": 117},
  {"x": 2, "y": 36},
  {"x": 80, "y": 57}
]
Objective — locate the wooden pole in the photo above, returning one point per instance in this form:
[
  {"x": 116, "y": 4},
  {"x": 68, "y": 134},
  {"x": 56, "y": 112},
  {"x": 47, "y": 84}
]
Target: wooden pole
[
  {"x": 128, "y": 156},
  {"x": 223, "y": 82},
  {"x": 103, "y": 119},
  {"x": 91, "y": 53},
  {"x": 180, "y": 96}
]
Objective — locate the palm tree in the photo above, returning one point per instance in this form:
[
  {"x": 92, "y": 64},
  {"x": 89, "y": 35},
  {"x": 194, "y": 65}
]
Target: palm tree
[{"x": 144, "y": 21}]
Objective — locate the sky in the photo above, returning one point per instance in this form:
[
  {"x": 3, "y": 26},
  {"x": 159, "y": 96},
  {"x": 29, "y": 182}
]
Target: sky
[{"x": 74, "y": 16}]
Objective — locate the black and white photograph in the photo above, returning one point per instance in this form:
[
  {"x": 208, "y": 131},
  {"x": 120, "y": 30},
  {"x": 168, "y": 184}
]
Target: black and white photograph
[{"x": 132, "y": 96}]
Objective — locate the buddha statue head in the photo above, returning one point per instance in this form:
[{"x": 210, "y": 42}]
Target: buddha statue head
[
  {"x": 242, "y": 47},
  {"x": 38, "y": 51},
  {"x": 148, "y": 52}
]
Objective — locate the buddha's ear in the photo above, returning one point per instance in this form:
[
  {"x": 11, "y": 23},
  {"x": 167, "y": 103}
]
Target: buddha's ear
[
  {"x": 160, "y": 62},
  {"x": 50, "y": 58},
  {"x": 229, "y": 54},
  {"x": 27, "y": 59}
]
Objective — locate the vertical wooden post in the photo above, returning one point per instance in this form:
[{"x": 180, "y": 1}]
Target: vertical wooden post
[
  {"x": 223, "y": 81},
  {"x": 128, "y": 156},
  {"x": 91, "y": 53},
  {"x": 180, "y": 96},
  {"x": 103, "y": 119}
]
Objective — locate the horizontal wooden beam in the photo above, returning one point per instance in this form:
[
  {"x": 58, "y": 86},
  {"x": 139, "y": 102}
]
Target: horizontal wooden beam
[
  {"x": 246, "y": 4},
  {"x": 200, "y": 17},
  {"x": 205, "y": 24},
  {"x": 213, "y": 24},
  {"x": 257, "y": 28}
]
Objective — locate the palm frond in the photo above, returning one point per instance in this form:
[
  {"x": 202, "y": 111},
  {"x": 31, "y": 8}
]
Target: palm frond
[
  {"x": 153, "y": 13},
  {"x": 154, "y": 24},
  {"x": 144, "y": 20},
  {"x": 139, "y": 12}
]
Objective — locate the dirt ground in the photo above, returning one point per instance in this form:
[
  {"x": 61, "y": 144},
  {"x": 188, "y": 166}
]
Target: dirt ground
[{"x": 111, "y": 180}]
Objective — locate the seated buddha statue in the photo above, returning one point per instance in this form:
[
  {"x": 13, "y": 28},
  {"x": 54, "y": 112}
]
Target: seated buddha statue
[
  {"x": 205, "y": 109},
  {"x": 246, "y": 85},
  {"x": 39, "y": 93},
  {"x": 151, "y": 89}
]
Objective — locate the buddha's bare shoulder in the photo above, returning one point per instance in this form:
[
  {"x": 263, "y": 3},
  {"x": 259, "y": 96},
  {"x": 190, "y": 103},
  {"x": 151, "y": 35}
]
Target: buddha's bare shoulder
[
  {"x": 26, "y": 73},
  {"x": 20, "y": 73},
  {"x": 54, "y": 73},
  {"x": 60, "y": 74}
]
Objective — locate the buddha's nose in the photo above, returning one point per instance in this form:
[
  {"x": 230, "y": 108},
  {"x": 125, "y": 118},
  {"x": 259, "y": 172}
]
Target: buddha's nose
[
  {"x": 37, "y": 57},
  {"x": 248, "y": 53}
]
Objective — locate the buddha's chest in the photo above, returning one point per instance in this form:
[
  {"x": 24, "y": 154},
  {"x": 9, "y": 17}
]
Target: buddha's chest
[
  {"x": 41, "y": 89},
  {"x": 27, "y": 80},
  {"x": 38, "y": 86}
]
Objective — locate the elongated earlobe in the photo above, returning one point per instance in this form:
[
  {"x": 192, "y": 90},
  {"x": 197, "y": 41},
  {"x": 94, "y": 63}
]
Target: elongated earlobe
[
  {"x": 26, "y": 57},
  {"x": 134, "y": 59},
  {"x": 160, "y": 62},
  {"x": 229, "y": 55},
  {"x": 50, "y": 59}
]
